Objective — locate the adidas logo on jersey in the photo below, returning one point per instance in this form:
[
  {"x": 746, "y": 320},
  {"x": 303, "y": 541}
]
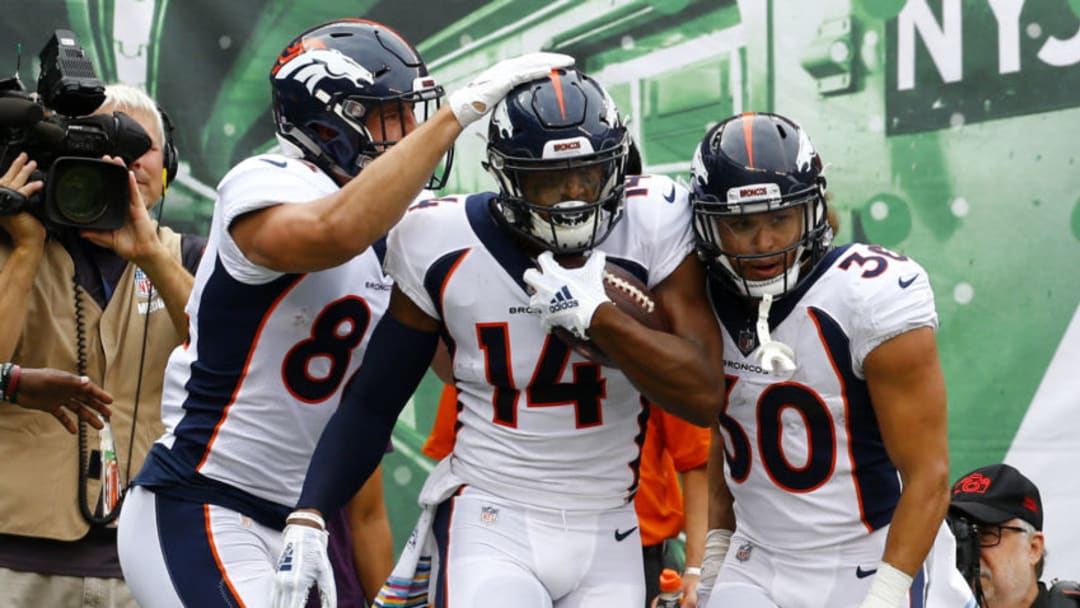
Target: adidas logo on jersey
[{"x": 563, "y": 300}]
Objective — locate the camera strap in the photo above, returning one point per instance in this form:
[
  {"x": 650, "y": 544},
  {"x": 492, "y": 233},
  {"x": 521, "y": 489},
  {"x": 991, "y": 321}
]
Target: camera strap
[
  {"x": 103, "y": 462},
  {"x": 11, "y": 201}
]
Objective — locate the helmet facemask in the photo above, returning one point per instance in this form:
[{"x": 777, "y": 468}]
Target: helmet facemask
[
  {"x": 342, "y": 132},
  {"x": 532, "y": 198},
  {"x": 713, "y": 220},
  {"x": 558, "y": 149},
  {"x": 747, "y": 165}
]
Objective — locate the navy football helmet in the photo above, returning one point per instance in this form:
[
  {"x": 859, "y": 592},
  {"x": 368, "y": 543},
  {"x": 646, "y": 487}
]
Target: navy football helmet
[
  {"x": 331, "y": 77},
  {"x": 756, "y": 163},
  {"x": 543, "y": 133}
]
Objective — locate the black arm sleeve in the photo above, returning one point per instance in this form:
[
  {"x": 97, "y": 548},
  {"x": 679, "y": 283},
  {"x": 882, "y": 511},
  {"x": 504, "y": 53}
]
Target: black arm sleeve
[{"x": 355, "y": 439}]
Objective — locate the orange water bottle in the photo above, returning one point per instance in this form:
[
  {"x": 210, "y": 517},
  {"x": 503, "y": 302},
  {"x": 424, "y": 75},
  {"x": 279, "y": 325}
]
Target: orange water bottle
[{"x": 670, "y": 589}]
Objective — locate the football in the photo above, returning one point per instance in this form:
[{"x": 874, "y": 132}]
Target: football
[{"x": 631, "y": 296}]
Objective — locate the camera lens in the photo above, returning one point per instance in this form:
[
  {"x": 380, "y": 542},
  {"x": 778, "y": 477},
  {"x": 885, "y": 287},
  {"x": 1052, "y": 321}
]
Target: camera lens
[{"x": 80, "y": 194}]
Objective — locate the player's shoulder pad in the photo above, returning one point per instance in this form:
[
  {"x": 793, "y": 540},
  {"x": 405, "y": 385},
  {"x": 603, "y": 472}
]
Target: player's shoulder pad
[
  {"x": 428, "y": 212},
  {"x": 429, "y": 203},
  {"x": 430, "y": 222},
  {"x": 876, "y": 262},
  {"x": 652, "y": 198},
  {"x": 1064, "y": 594},
  {"x": 874, "y": 278}
]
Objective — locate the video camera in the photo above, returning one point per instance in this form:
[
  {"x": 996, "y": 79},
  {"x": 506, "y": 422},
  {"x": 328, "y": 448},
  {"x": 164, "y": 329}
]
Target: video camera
[
  {"x": 54, "y": 129},
  {"x": 966, "y": 533}
]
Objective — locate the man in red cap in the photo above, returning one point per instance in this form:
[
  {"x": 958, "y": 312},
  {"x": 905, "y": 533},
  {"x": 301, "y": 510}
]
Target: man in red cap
[{"x": 1004, "y": 513}]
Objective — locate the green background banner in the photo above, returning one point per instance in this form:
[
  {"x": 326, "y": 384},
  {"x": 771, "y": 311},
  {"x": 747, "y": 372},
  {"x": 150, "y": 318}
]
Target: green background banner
[{"x": 949, "y": 129}]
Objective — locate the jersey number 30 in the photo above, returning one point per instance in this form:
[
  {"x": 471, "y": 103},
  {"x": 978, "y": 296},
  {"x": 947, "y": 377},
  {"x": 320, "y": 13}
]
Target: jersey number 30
[{"x": 817, "y": 422}]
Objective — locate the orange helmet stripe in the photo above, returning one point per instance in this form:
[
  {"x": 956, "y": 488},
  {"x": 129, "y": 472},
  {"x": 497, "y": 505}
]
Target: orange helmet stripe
[
  {"x": 558, "y": 90},
  {"x": 748, "y": 134}
]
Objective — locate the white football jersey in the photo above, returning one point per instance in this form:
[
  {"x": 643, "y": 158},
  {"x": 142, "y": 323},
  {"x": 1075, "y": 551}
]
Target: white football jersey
[
  {"x": 268, "y": 355},
  {"x": 805, "y": 459},
  {"x": 540, "y": 425}
]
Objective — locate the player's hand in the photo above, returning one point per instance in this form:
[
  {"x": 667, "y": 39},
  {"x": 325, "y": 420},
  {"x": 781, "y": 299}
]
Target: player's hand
[
  {"x": 567, "y": 297},
  {"x": 303, "y": 562},
  {"x": 477, "y": 98},
  {"x": 54, "y": 391}
]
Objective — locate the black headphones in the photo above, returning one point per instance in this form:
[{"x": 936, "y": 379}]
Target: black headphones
[{"x": 169, "y": 158}]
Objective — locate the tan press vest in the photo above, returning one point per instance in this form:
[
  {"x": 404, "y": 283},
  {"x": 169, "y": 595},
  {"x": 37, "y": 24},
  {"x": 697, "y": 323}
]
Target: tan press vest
[{"x": 40, "y": 459}]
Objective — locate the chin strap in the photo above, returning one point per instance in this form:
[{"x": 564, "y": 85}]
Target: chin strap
[{"x": 775, "y": 356}]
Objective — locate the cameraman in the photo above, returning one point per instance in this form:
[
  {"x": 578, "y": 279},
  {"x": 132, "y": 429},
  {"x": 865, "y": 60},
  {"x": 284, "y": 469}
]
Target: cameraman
[
  {"x": 1004, "y": 513},
  {"x": 107, "y": 304}
]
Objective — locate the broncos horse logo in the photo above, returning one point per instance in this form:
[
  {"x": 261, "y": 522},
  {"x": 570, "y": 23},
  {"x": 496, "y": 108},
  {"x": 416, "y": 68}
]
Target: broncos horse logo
[{"x": 314, "y": 65}]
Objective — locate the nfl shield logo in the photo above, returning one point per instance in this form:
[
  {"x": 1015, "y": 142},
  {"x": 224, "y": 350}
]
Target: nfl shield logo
[
  {"x": 488, "y": 515},
  {"x": 143, "y": 287},
  {"x": 743, "y": 553},
  {"x": 747, "y": 341}
]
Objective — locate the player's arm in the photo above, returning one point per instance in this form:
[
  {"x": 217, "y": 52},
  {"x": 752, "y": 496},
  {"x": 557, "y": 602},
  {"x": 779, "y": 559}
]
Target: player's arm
[
  {"x": 353, "y": 443},
  {"x": 372, "y": 542},
  {"x": 681, "y": 371},
  {"x": 907, "y": 389},
  {"x": 328, "y": 231},
  {"x": 721, "y": 502}
]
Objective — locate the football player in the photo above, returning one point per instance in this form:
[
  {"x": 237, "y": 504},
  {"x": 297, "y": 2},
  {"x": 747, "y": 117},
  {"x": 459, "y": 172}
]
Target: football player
[
  {"x": 284, "y": 301},
  {"x": 832, "y": 441},
  {"x": 534, "y": 505}
]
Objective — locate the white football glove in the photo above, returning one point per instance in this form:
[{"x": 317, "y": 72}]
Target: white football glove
[
  {"x": 567, "y": 297},
  {"x": 303, "y": 561},
  {"x": 477, "y": 98}
]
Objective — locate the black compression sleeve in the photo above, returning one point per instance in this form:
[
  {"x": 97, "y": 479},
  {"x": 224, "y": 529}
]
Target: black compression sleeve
[{"x": 355, "y": 439}]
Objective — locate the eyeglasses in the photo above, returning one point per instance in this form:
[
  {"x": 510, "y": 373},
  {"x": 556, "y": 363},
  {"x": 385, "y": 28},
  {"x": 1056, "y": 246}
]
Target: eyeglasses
[{"x": 990, "y": 534}]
